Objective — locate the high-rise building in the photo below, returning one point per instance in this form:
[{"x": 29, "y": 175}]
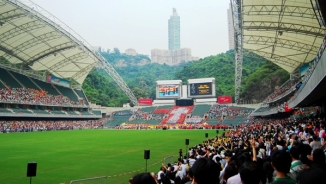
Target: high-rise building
[
  {"x": 231, "y": 28},
  {"x": 174, "y": 55},
  {"x": 174, "y": 31}
]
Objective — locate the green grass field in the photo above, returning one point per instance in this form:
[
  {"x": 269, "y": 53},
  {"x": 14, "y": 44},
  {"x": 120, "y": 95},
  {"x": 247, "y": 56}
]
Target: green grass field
[{"x": 63, "y": 156}]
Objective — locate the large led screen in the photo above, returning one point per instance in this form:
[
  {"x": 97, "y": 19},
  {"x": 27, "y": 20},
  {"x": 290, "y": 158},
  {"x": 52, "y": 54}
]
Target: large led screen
[
  {"x": 200, "y": 89},
  {"x": 171, "y": 90}
]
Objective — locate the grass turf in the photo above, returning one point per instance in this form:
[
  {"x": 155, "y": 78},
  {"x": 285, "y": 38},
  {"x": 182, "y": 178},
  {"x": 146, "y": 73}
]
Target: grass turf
[{"x": 63, "y": 156}]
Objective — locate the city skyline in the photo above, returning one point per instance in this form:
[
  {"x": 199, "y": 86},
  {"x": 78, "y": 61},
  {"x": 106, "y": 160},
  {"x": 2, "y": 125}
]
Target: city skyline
[{"x": 142, "y": 25}]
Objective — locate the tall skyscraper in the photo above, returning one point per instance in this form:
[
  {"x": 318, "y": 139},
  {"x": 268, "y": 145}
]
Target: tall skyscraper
[
  {"x": 174, "y": 31},
  {"x": 231, "y": 28}
]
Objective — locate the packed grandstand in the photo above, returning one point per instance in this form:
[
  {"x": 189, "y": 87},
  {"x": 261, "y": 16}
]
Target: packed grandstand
[{"x": 281, "y": 140}]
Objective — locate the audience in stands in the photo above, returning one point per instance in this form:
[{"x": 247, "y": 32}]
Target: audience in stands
[
  {"x": 257, "y": 152},
  {"x": 44, "y": 125},
  {"x": 36, "y": 97}
]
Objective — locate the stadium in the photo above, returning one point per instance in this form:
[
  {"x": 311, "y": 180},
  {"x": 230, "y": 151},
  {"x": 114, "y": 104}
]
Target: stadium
[{"x": 48, "y": 124}]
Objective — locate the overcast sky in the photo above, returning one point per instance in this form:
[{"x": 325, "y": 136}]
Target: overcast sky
[{"x": 143, "y": 24}]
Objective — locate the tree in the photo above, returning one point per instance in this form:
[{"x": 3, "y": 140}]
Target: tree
[
  {"x": 139, "y": 93},
  {"x": 116, "y": 51}
]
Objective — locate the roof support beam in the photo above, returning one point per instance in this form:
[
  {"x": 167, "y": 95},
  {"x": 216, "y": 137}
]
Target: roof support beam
[
  {"x": 284, "y": 27},
  {"x": 48, "y": 52},
  {"x": 284, "y": 43},
  {"x": 35, "y": 41},
  {"x": 236, "y": 6},
  {"x": 10, "y": 52},
  {"x": 11, "y": 15},
  {"x": 67, "y": 61},
  {"x": 83, "y": 71},
  {"x": 274, "y": 10},
  {"x": 276, "y": 58},
  {"x": 21, "y": 29}
]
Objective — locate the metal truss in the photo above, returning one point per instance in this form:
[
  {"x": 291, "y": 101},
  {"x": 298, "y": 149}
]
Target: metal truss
[
  {"x": 319, "y": 16},
  {"x": 274, "y": 10},
  {"x": 12, "y": 14},
  {"x": 284, "y": 43},
  {"x": 283, "y": 27},
  {"x": 53, "y": 50},
  {"x": 34, "y": 41},
  {"x": 68, "y": 61},
  {"x": 283, "y": 60},
  {"x": 40, "y": 75},
  {"x": 83, "y": 71},
  {"x": 44, "y": 18},
  {"x": 9, "y": 52},
  {"x": 236, "y": 7},
  {"x": 21, "y": 29},
  {"x": 103, "y": 64}
]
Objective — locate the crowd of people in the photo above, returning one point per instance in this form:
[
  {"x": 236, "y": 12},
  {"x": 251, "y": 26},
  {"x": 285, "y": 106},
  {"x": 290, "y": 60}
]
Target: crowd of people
[
  {"x": 35, "y": 97},
  {"x": 258, "y": 152},
  {"x": 221, "y": 112},
  {"x": 289, "y": 86},
  {"x": 49, "y": 125}
]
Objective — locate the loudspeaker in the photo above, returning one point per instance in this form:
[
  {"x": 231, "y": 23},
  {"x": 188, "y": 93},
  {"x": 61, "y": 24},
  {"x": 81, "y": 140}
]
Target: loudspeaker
[
  {"x": 206, "y": 135},
  {"x": 217, "y": 131},
  {"x": 31, "y": 169},
  {"x": 187, "y": 141},
  {"x": 146, "y": 154}
]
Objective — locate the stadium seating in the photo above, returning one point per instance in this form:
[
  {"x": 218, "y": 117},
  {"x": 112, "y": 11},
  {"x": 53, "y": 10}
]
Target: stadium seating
[
  {"x": 153, "y": 122},
  {"x": 2, "y": 85},
  {"x": 24, "y": 80},
  {"x": 163, "y": 109},
  {"x": 46, "y": 86},
  {"x": 68, "y": 92},
  {"x": 200, "y": 110},
  {"x": 177, "y": 114},
  {"x": 97, "y": 112},
  {"x": 57, "y": 112},
  {"x": 40, "y": 111},
  {"x": 117, "y": 120},
  {"x": 8, "y": 79},
  {"x": 148, "y": 109},
  {"x": 21, "y": 111},
  {"x": 5, "y": 110},
  {"x": 81, "y": 94}
]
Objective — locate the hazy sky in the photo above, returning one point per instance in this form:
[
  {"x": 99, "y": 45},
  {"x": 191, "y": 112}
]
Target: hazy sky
[{"x": 143, "y": 24}]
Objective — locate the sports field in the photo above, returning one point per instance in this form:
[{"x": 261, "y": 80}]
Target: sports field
[{"x": 63, "y": 156}]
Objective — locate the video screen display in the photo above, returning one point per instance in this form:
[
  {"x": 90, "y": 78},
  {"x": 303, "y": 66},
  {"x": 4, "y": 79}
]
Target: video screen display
[
  {"x": 201, "y": 89},
  {"x": 168, "y": 90}
]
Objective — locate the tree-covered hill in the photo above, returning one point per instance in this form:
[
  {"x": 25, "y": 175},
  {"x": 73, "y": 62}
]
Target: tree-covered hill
[
  {"x": 256, "y": 71},
  {"x": 137, "y": 71},
  {"x": 260, "y": 76}
]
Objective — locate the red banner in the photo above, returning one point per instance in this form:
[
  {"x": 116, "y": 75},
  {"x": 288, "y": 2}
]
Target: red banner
[
  {"x": 145, "y": 101},
  {"x": 224, "y": 99}
]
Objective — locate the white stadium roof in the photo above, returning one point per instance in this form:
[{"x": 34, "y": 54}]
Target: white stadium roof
[
  {"x": 36, "y": 40},
  {"x": 286, "y": 32}
]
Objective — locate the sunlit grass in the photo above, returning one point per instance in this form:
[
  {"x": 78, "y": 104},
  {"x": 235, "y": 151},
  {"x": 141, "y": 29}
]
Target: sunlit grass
[{"x": 63, "y": 156}]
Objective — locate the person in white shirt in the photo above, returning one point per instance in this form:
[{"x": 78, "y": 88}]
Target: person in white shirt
[
  {"x": 321, "y": 133},
  {"x": 181, "y": 170},
  {"x": 162, "y": 171}
]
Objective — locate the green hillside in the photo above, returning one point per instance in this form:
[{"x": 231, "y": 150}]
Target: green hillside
[{"x": 260, "y": 76}]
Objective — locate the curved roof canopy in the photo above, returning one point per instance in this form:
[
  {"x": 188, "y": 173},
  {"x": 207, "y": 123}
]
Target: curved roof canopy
[
  {"x": 36, "y": 40},
  {"x": 286, "y": 32}
]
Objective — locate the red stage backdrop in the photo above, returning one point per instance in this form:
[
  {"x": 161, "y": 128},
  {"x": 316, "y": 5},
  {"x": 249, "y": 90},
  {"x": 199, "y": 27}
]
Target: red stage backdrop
[
  {"x": 145, "y": 101},
  {"x": 224, "y": 99}
]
